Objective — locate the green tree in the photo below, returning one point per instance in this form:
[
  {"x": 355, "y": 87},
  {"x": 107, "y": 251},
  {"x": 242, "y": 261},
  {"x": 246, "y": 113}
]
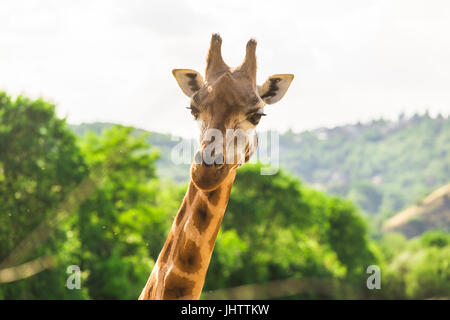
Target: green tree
[
  {"x": 113, "y": 221},
  {"x": 275, "y": 228},
  {"x": 429, "y": 275},
  {"x": 434, "y": 238},
  {"x": 417, "y": 268},
  {"x": 348, "y": 237},
  {"x": 40, "y": 165}
]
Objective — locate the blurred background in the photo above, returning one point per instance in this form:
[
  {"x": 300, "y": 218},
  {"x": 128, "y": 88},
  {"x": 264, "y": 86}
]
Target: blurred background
[{"x": 89, "y": 114}]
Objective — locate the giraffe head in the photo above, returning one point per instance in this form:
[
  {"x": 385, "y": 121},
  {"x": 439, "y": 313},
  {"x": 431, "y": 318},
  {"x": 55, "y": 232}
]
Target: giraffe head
[{"x": 228, "y": 104}]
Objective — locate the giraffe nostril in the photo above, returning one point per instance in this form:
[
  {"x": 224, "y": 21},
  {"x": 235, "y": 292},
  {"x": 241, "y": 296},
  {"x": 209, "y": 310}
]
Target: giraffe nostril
[
  {"x": 205, "y": 164},
  {"x": 219, "y": 160}
]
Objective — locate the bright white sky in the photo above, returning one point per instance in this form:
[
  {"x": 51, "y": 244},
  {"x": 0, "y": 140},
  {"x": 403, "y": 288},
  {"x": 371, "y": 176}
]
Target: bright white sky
[{"x": 111, "y": 60}]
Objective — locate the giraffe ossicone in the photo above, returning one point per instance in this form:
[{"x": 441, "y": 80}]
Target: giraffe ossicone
[{"x": 225, "y": 101}]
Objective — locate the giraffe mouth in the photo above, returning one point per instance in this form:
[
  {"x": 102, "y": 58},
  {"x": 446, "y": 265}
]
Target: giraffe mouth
[{"x": 208, "y": 178}]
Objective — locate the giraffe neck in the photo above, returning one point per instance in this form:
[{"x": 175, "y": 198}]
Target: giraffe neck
[{"x": 180, "y": 271}]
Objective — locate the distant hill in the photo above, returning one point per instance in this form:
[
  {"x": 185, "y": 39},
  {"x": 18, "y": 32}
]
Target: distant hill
[
  {"x": 431, "y": 213},
  {"x": 383, "y": 166}
]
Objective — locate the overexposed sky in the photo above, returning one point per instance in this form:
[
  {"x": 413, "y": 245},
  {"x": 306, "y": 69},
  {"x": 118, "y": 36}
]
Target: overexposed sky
[{"x": 111, "y": 60}]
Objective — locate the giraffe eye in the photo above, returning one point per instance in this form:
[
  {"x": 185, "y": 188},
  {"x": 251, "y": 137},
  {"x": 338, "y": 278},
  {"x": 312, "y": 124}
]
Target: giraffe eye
[
  {"x": 254, "y": 118},
  {"x": 194, "y": 111}
]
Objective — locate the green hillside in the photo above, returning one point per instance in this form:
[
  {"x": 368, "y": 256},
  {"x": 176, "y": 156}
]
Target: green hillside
[{"x": 383, "y": 166}]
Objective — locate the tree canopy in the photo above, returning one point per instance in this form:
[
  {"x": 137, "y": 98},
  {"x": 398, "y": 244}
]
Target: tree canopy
[{"x": 96, "y": 201}]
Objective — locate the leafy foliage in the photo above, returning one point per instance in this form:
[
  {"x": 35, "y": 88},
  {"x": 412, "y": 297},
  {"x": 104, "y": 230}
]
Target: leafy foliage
[
  {"x": 40, "y": 165},
  {"x": 110, "y": 222},
  {"x": 275, "y": 227},
  {"x": 416, "y": 269}
]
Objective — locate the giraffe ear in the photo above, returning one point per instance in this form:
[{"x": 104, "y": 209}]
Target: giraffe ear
[
  {"x": 189, "y": 80},
  {"x": 275, "y": 87}
]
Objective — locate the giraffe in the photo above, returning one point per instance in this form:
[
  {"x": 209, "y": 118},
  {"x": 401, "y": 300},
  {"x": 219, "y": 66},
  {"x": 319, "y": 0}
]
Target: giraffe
[{"x": 228, "y": 99}]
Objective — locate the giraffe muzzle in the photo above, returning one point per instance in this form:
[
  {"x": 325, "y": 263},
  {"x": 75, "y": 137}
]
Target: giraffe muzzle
[{"x": 209, "y": 172}]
